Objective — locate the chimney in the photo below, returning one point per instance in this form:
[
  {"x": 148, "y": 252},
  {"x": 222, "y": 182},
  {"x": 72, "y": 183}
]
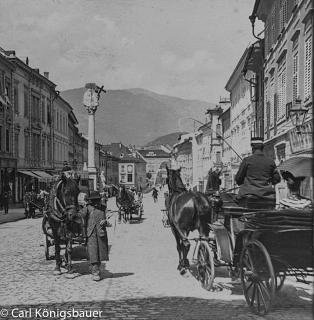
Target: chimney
[
  {"x": 27, "y": 61},
  {"x": 37, "y": 70},
  {"x": 46, "y": 74}
]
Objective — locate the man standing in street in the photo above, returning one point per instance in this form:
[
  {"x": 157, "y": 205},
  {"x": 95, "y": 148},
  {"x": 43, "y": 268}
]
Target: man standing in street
[
  {"x": 5, "y": 201},
  {"x": 97, "y": 239},
  {"x": 214, "y": 181},
  {"x": 257, "y": 175}
]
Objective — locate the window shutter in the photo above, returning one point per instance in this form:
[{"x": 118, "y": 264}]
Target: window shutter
[
  {"x": 275, "y": 112},
  {"x": 295, "y": 79},
  {"x": 307, "y": 68},
  {"x": 267, "y": 119}
]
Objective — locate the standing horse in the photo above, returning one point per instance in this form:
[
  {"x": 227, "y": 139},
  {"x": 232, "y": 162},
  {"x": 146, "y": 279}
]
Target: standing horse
[
  {"x": 187, "y": 211},
  {"x": 63, "y": 218}
]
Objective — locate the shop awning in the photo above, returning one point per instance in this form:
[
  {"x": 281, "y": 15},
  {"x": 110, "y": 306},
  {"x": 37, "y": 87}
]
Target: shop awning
[
  {"x": 298, "y": 166},
  {"x": 29, "y": 173},
  {"x": 43, "y": 175}
]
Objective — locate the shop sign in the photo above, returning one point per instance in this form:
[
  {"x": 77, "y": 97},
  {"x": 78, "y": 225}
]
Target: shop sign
[{"x": 300, "y": 142}]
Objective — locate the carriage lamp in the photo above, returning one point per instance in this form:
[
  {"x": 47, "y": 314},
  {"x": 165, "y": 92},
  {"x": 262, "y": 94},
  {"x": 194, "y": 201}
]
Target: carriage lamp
[{"x": 297, "y": 114}]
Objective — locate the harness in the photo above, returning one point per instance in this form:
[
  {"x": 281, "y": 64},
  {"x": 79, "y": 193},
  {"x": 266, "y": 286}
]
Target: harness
[{"x": 58, "y": 214}]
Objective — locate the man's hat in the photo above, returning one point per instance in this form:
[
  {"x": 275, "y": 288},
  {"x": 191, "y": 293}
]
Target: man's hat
[
  {"x": 66, "y": 168},
  {"x": 94, "y": 195},
  {"x": 257, "y": 141}
]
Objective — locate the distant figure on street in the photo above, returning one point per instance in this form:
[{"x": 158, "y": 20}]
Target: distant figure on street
[
  {"x": 5, "y": 201},
  {"x": 97, "y": 239},
  {"x": 155, "y": 194},
  {"x": 214, "y": 181},
  {"x": 257, "y": 175}
]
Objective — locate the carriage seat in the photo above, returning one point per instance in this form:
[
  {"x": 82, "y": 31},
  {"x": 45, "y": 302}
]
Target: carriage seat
[{"x": 254, "y": 202}]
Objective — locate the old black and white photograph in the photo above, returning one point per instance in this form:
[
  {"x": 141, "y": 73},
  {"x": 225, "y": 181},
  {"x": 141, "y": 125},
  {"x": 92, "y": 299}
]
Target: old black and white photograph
[{"x": 156, "y": 159}]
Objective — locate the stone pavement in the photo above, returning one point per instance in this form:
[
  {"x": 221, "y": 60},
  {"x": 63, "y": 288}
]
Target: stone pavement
[
  {"x": 14, "y": 214},
  {"x": 139, "y": 282}
]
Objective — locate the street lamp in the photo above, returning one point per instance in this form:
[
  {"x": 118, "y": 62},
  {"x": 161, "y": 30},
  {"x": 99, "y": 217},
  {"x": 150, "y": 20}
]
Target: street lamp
[{"x": 297, "y": 114}]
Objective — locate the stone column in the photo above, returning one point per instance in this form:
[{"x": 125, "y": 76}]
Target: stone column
[{"x": 91, "y": 102}]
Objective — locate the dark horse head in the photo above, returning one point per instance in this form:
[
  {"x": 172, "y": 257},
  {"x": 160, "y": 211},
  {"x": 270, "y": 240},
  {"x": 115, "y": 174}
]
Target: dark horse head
[
  {"x": 187, "y": 211},
  {"x": 67, "y": 198},
  {"x": 63, "y": 217}
]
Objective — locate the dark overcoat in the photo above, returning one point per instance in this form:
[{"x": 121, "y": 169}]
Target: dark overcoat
[
  {"x": 256, "y": 176},
  {"x": 97, "y": 239}
]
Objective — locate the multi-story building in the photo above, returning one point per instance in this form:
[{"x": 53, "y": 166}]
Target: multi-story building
[
  {"x": 155, "y": 160},
  {"x": 242, "y": 112},
  {"x": 61, "y": 112},
  {"x": 33, "y": 124},
  {"x": 8, "y": 106},
  {"x": 132, "y": 167},
  {"x": 109, "y": 164},
  {"x": 288, "y": 76},
  {"x": 182, "y": 157},
  {"x": 73, "y": 132},
  {"x": 226, "y": 173}
]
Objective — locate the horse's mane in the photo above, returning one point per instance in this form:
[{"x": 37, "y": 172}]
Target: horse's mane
[
  {"x": 177, "y": 185},
  {"x": 57, "y": 197}
]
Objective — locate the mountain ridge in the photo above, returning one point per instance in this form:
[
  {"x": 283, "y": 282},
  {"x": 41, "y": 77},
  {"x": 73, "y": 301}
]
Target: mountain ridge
[{"x": 135, "y": 116}]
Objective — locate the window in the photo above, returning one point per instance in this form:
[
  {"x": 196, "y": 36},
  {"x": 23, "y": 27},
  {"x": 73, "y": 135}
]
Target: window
[
  {"x": 0, "y": 138},
  {"x": 43, "y": 109},
  {"x": 271, "y": 104},
  {"x": 43, "y": 149},
  {"x": 218, "y": 156},
  {"x": 26, "y": 147},
  {"x": 26, "y": 102},
  {"x": 295, "y": 77},
  {"x": 281, "y": 107},
  {"x": 307, "y": 68},
  {"x": 7, "y": 140},
  {"x": 16, "y": 144},
  {"x": 16, "y": 97},
  {"x": 130, "y": 177},
  {"x": 283, "y": 14}
]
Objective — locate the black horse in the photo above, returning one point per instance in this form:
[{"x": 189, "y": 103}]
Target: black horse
[
  {"x": 187, "y": 211},
  {"x": 63, "y": 219}
]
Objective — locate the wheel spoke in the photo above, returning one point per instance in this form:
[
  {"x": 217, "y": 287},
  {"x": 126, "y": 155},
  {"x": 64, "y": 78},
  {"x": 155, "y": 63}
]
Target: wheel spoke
[
  {"x": 262, "y": 296},
  {"x": 253, "y": 295},
  {"x": 265, "y": 290},
  {"x": 257, "y": 298}
]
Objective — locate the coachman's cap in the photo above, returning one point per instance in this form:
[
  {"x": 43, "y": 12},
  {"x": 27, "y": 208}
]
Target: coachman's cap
[
  {"x": 257, "y": 141},
  {"x": 66, "y": 168}
]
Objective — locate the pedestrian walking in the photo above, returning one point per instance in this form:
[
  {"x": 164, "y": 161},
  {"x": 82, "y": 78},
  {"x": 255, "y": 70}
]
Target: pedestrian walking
[
  {"x": 5, "y": 201},
  {"x": 97, "y": 239}
]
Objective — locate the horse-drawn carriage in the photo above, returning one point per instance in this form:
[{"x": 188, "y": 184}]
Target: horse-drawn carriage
[
  {"x": 129, "y": 205},
  {"x": 33, "y": 202},
  {"x": 272, "y": 244}
]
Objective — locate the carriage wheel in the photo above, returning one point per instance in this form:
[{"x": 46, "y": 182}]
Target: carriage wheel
[
  {"x": 279, "y": 279},
  {"x": 257, "y": 277},
  {"x": 205, "y": 265}
]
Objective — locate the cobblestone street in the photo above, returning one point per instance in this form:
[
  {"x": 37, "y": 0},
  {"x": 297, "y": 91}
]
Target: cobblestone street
[{"x": 139, "y": 282}]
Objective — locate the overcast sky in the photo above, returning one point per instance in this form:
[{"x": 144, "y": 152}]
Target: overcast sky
[{"x": 184, "y": 48}]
